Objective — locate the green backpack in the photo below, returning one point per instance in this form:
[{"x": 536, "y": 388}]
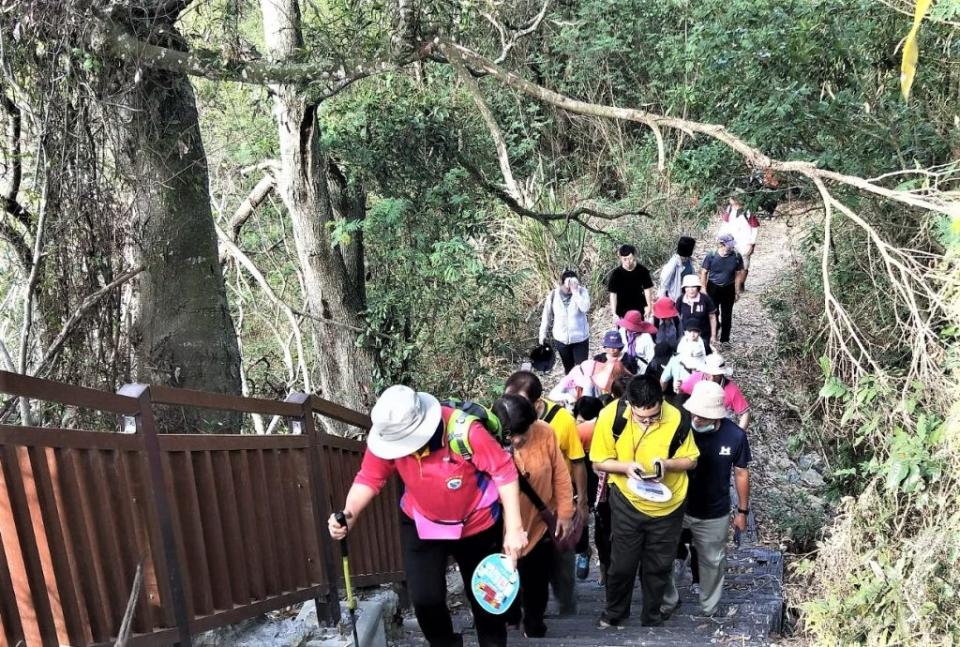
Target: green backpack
[{"x": 458, "y": 426}]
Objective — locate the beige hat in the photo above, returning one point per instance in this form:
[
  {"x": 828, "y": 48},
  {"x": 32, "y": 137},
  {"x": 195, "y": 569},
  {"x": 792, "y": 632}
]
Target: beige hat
[
  {"x": 715, "y": 365},
  {"x": 706, "y": 401},
  {"x": 691, "y": 281},
  {"x": 403, "y": 420}
]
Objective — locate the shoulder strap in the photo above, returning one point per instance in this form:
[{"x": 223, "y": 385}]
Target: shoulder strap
[
  {"x": 619, "y": 422},
  {"x": 527, "y": 489},
  {"x": 551, "y": 413},
  {"x": 458, "y": 433},
  {"x": 680, "y": 435}
]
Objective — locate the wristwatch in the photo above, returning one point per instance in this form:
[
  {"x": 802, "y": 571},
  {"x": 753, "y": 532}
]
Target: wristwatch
[{"x": 742, "y": 511}]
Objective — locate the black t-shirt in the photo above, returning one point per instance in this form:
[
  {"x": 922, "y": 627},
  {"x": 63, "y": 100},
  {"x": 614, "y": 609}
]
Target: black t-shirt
[
  {"x": 629, "y": 287},
  {"x": 698, "y": 312},
  {"x": 722, "y": 270},
  {"x": 708, "y": 496}
]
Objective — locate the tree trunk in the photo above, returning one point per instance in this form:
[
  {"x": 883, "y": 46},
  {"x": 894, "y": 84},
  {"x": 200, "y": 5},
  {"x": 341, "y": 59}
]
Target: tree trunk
[
  {"x": 334, "y": 284},
  {"x": 183, "y": 335}
]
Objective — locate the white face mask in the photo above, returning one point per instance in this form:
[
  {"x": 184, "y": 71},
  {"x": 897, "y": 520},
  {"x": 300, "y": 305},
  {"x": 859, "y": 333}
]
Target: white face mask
[{"x": 705, "y": 429}]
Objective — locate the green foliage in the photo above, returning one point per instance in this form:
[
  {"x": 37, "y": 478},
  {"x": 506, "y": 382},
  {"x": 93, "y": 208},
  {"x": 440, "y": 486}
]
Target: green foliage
[
  {"x": 797, "y": 519},
  {"x": 808, "y": 80},
  {"x": 437, "y": 313}
]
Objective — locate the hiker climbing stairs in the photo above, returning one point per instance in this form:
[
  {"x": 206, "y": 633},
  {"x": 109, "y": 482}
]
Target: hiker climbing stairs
[{"x": 750, "y": 612}]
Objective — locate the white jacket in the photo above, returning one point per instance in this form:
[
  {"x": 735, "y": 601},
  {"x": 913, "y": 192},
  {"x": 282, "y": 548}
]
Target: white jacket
[{"x": 569, "y": 321}]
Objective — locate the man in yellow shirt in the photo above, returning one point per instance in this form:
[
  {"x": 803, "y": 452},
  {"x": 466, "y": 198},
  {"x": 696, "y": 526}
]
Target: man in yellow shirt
[
  {"x": 645, "y": 447},
  {"x": 528, "y": 385}
]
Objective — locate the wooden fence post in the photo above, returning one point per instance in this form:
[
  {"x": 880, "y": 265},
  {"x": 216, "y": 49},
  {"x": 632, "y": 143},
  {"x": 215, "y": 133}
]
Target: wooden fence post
[
  {"x": 321, "y": 501},
  {"x": 145, "y": 424}
]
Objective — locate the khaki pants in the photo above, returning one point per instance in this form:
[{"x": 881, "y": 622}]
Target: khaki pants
[{"x": 710, "y": 540}]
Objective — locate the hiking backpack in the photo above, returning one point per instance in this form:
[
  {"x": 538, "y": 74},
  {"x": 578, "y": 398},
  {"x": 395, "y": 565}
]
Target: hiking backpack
[{"x": 458, "y": 426}]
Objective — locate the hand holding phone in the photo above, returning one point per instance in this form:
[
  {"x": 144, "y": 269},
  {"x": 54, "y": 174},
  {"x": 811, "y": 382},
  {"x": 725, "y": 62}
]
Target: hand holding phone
[{"x": 638, "y": 471}]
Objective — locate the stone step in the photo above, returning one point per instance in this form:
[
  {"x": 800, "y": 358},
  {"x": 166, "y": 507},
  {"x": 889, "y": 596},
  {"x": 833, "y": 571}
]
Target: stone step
[{"x": 750, "y": 612}]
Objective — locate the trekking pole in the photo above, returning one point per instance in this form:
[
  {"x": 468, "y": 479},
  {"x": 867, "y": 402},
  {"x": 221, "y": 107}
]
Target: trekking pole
[{"x": 351, "y": 601}]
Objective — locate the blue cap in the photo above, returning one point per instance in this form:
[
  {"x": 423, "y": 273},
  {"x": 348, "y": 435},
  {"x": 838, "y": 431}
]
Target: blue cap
[{"x": 611, "y": 339}]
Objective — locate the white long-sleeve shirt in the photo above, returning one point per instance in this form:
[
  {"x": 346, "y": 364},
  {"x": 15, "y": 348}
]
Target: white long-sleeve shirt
[
  {"x": 671, "y": 277},
  {"x": 570, "y": 323}
]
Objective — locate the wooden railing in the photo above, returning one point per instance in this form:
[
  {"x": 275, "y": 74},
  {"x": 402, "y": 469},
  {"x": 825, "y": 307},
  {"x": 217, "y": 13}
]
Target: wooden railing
[{"x": 224, "y": 527}]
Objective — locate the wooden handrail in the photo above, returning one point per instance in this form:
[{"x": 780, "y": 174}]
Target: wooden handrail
[
  {"x": 161, "y": 394},
  {"x": 339, "y": 412},
  {"x": 78, "y": 396}
]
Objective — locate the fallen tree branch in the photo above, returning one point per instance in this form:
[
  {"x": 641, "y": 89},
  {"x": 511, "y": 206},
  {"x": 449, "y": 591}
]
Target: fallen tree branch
[{"x": 126, "y": 624}]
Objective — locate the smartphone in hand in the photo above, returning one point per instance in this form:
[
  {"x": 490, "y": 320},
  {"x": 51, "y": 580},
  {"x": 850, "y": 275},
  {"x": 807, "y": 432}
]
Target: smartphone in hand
[{"x": 655, "y": 474}]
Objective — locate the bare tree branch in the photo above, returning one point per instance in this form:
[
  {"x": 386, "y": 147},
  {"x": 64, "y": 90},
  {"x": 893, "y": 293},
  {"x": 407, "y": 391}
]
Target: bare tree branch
[
  {"x": 932, "y": 201},
  {"x": 259, "y": 193},
  {"x": 326, "y": 77},
  {"x": 85, "y": 306},
  {"x": 507, "y": 43},
  {"x": 503, "y": 156},
  {"x": 577, "y": 214},
  {"x": 248, "y": 264}
]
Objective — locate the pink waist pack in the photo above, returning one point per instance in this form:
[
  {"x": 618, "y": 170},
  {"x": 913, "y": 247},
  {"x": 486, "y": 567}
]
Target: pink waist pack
[{"x": 428, "y": 528}]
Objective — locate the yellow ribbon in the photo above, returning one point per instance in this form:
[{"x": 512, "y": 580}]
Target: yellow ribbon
[{"x": 911, "y": 51}]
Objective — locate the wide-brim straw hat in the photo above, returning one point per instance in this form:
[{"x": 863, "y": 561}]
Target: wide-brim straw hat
[
  {"x": 403, "y": 420},
  {"x": 706, "y": 401}
]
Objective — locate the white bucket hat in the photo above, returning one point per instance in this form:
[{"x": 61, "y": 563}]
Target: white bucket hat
[
  {"x": 706, "y": 401},
  {"x": 403, "y": 421},
  {"x": 691, "y": 356},
  {"x": 691, "y": 281},
  {"x": 715, "y": 365}
]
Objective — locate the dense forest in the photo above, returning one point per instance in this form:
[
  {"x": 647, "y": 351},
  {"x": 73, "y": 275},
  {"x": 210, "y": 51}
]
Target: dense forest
[{"x": 331, "y": 196}]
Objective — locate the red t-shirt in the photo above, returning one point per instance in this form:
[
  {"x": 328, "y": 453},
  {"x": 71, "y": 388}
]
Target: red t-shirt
[
  {"x": 441, "y": 484},
  {"x": 733, "y": 398}
]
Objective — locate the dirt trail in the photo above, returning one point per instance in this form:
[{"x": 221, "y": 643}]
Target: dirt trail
[{"x": 782, "y": 487}]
